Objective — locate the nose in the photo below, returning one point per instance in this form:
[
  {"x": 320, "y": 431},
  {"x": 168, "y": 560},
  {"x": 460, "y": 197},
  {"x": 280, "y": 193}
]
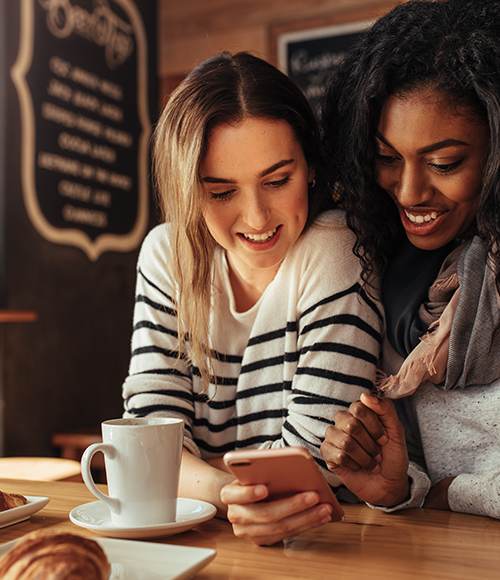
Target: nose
[
  {"x": 412, "y": 188},
  {"x": 256, "y": 210}
]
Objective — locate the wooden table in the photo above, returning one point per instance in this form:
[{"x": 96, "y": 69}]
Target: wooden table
[{"x": 423, "y": 544}]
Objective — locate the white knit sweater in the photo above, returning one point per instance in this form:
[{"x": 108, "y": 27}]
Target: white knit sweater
[
  {"x": 308, "y": 348},
  {"x": 455, "y": 433}
]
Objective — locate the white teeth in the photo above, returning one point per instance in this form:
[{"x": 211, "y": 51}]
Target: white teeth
[
  {"x": 420, "y": 219},
  {"x": 260, "y": 237}
]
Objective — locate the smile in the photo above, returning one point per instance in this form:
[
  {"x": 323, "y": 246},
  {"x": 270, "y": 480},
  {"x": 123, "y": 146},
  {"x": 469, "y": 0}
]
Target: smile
[
  {"x": 421, "y": 218},
  {"x": 260, "y": 237}
]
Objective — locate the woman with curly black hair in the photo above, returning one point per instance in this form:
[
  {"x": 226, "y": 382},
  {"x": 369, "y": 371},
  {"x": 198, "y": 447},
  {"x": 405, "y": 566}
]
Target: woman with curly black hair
[{"x": 412, "y": 127}]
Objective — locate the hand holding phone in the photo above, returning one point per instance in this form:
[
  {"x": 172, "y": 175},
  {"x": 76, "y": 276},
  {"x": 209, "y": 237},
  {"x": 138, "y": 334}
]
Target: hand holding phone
[{"x": 285, "y": 472}]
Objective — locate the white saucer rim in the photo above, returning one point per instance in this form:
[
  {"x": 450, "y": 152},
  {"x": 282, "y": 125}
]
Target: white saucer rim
[{"x": 209, "y": 514}]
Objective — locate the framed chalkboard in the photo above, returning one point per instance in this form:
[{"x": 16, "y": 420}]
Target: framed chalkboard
[
  {"x": 81, "y": 76},
  {"x": 307, "y": 56}
]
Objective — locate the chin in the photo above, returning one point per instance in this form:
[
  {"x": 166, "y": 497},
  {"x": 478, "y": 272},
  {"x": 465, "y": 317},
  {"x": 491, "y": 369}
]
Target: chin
[{"x": 426, "y": 242}]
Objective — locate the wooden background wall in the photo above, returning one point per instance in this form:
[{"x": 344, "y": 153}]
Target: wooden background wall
[{"x": 191, "y": 30}]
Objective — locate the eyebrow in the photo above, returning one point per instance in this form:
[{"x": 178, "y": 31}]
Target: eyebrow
[
  {"x": 430, "y": 148},
  {"x": 268, "y": 171}
]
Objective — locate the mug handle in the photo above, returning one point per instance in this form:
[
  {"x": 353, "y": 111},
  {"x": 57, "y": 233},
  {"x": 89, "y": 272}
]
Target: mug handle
[{"x": 109, "y": 451}]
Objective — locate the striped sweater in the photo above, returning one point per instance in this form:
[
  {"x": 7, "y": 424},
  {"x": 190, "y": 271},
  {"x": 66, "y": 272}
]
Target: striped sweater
[{"x": 308, "y": 348}]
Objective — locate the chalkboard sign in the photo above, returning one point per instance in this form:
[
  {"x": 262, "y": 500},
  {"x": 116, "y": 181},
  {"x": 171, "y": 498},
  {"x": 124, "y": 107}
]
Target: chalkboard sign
[
  {"x": 307, "y": 56},
  {"x": 81, "y": 76}
]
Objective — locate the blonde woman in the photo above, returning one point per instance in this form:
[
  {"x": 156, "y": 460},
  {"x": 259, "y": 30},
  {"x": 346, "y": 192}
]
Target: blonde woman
[{"x": 251, "y": 323}]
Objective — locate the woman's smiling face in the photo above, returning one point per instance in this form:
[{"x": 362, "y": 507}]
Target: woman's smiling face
[
  {"x": 256, "y": 181},
  {"x": 430, "y": 158}
]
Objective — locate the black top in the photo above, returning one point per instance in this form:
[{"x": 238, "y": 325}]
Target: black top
[{"x": 405, "y": 287}]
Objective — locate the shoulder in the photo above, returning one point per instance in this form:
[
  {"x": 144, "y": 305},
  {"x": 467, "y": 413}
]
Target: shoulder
[
  {"x": 322, "y": 262},
  {"x": 156, "y": 245},
  {"x": 329, "y": 240},
  {"x": 155, "y": 258},
  {"x": 333, "y": 218},
  {"x": 156, "y": 238},
  {"x": 329, "y": 227}
]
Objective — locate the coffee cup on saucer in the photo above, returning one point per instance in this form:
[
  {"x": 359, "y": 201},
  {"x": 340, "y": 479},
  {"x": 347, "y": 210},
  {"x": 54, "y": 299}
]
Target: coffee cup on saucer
[{"x": 142, "y": 460}]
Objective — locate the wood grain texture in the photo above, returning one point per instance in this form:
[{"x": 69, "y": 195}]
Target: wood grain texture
[
  {"x": 178, "y": 19},
  {"x": 189, "y": 32},
  {"x": 414, "y": 544}
]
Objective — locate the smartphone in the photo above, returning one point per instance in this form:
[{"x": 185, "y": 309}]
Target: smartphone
[{"x": 285, "y": 472}]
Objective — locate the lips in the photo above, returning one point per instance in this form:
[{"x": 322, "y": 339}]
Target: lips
[{"x": 423, "y": 223}]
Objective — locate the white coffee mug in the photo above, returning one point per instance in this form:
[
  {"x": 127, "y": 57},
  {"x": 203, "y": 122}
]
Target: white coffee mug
[{"x": 142, "y": 458}]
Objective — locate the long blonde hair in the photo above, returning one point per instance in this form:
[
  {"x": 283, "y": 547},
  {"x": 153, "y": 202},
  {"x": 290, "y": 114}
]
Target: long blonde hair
[{"x": 222, "y": 90}]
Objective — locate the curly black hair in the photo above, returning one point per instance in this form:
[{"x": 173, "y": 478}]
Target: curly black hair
[{"x": 451, "y": 47}]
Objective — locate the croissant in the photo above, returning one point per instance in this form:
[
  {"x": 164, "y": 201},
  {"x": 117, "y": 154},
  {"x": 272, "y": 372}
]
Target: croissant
[
  {"x": 11, "y": 500},
  {"x": 49, "y": 555}
]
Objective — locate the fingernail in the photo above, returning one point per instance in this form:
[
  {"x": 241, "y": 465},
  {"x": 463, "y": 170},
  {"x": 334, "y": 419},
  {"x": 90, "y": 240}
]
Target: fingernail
[
  {"x": 376, "y": 469},
  {"x": 260, "y": 491},
  {"x": 378, "y": 458},
  {"x": 325, "y": 511},
  {"x": 311, "y": 498},
  {"x": 383, "y": 440},
  {"x": 371, "y": 398}
]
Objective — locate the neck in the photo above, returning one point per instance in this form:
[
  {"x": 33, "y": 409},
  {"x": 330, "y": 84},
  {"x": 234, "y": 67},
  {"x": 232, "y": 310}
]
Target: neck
[{"x": 248, "y": 285}]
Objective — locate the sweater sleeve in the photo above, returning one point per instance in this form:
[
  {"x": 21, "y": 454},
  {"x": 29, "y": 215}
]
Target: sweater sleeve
[
  {"x": 419, "y": 488},
  {"x": 337, "y": 341},
  {"x": 476, "y": 494},
  {"x": 158, "y": 373}
]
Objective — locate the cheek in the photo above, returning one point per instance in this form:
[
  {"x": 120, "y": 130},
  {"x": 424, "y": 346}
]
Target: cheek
[
  {"x": 383, "y": 176},
  {"x": 301, "y": 209},
  {"x": 467, "y": 191},
  {"x": 300, "y": 201},
  {"x": 210, "y": 216}
]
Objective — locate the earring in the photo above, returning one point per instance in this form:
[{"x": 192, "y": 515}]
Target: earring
[{"x": 312, "y": 184}]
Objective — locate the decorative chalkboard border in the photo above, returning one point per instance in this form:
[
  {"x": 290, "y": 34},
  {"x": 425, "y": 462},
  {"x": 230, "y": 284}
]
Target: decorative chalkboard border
[{"x": 96, "y": 242}]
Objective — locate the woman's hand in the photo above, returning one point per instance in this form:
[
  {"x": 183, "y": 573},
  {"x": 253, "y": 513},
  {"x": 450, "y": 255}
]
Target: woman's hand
[
  {"x": 366, "y": 448},
  {"x": 266, "y": 523}
]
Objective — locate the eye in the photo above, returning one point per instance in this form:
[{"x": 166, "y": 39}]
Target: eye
[
  {"x": 447, "y": 168},
  {"x": 279, "y": 183},
  {"x": 386, "y": 159},
  {"x": 224, "y": 195}
]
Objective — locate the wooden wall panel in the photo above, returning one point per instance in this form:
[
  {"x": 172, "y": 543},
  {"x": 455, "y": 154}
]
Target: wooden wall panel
[
  {"x": 184, "y": 53},
  {"x": 190, "y": 31}
]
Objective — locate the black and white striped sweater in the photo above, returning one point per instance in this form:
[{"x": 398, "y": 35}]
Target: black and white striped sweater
[{"x": 308, "y": 348}]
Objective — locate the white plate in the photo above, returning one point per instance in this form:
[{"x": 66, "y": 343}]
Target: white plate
[
  {"x": 96, "y": 516},
  {"x": 148, "y": 561},
  {"x": 23, "y": 512}
]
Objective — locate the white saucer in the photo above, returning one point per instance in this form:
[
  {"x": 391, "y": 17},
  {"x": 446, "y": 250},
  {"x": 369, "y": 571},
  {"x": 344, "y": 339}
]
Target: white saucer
[{"x": 96, "y": 516}]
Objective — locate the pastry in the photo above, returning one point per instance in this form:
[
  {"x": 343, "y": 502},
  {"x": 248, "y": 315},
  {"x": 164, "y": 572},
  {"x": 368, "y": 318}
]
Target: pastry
[
  {"x": 11, "y": 500},
  {"x": 49, "y": 555}
]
